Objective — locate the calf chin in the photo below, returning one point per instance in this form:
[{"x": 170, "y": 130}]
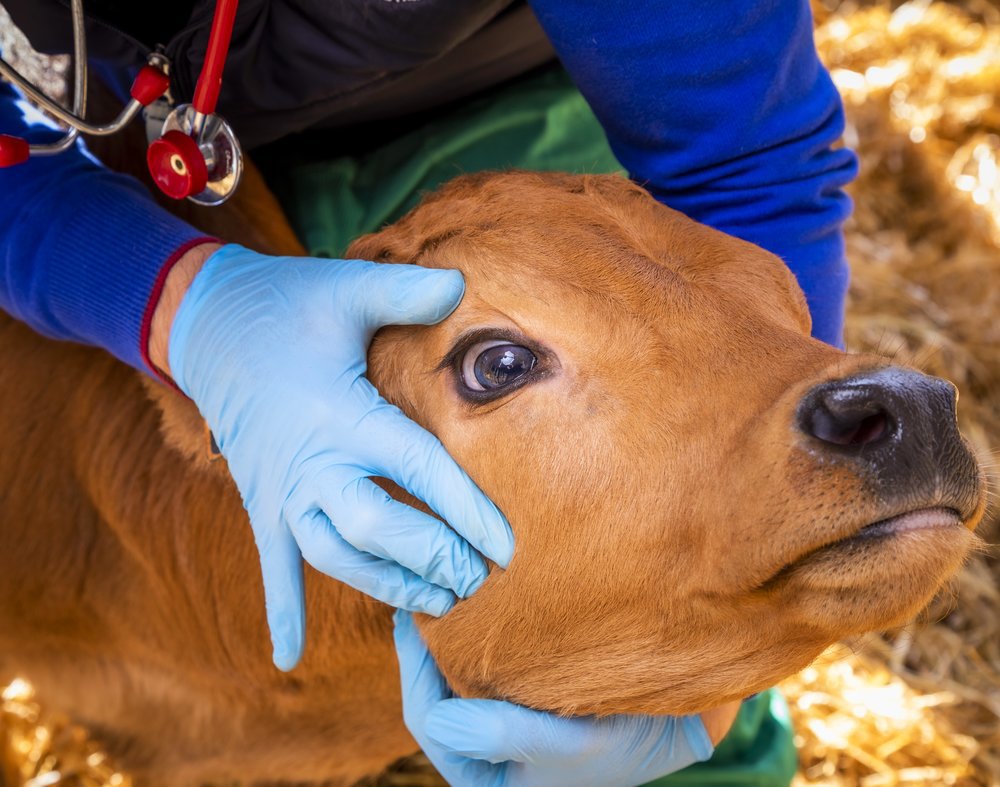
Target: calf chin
[{"x": 604, "y": 661}]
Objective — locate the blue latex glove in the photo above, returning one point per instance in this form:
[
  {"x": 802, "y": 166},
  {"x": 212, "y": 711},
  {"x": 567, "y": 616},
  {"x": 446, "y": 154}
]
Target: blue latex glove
[
  {"x": 486, "y": 743},
  {"x": 273, "y": 352}
]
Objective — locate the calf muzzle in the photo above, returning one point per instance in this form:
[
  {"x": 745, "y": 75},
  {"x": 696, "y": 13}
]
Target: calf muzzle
[{"x": 899, "y": 429}]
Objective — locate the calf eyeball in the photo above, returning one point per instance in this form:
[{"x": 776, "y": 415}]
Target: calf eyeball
[{"x": 496, "y": 364}]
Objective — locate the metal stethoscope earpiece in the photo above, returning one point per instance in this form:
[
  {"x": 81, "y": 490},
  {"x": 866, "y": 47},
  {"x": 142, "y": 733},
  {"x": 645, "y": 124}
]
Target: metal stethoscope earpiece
[{"x": 197, "y": 155}]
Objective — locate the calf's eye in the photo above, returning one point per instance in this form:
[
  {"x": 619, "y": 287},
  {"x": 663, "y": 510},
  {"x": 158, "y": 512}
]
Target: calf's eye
[{"x": 496, "y": 364}]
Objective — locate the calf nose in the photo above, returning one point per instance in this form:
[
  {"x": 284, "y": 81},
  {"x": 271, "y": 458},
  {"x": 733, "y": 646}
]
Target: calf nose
[
  {"x": 848, "y": 416},
  {"x": 898, "y": 430},
  {"x": 877, "y": 412}
]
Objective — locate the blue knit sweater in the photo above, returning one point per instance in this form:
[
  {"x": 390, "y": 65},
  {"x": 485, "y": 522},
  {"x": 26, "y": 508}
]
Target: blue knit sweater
[{"x": 721, "y": 109}]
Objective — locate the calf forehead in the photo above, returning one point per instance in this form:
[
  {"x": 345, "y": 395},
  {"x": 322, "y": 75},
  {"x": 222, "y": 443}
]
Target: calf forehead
[
  {"x": 568, "y": 284},
  {"x": 598, "y": 235},
  {"x": 617, "y": 247}
]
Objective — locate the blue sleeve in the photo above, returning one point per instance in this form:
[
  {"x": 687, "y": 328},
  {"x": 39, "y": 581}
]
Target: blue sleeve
[
  {"x": 724, "y": 112},
  {"x": 83, "y": 250}
]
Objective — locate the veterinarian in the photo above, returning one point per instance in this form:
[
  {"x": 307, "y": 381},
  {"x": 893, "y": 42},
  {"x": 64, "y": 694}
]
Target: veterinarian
[{"x": 722, "y": 110}]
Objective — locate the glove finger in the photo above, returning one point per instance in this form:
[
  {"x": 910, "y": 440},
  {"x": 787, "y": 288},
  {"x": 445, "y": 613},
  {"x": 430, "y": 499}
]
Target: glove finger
[
  {"x": 423, "y": 684},
  {"x": 417, "y": 461},
  {"x": 684, "y": 741},
  {"x": 423, "y": 688},
  {"x": 371, "y": 521},
  {"x": 284, "y": 597},
  {"x": 409, "y": 294},
  {"x": 326, "y": 550},
  {"x": 641, "y": 748},
  {"x": 498, "y": 731}
]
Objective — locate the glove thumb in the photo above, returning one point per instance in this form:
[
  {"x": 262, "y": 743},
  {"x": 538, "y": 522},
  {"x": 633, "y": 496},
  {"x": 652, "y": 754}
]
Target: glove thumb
[{"x": 410, "y": 294}]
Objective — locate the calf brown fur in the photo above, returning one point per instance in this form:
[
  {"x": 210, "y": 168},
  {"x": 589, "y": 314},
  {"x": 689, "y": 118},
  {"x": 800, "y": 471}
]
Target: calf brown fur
[{"x": 690, "y": 528}]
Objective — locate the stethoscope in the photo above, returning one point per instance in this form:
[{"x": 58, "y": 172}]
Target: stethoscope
[{"x": 196, "y": 155}]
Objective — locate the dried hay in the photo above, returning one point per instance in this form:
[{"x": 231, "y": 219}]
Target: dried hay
[
  {"x": 920, "y": 706},
  {"x": 920, "y": 84},
  {"x": 48, "y": 73},
  {"x": 38, "y": 749}
]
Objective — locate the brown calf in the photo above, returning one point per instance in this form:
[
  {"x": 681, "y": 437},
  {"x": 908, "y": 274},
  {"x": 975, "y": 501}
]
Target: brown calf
[{"x": 703, "y": 499}]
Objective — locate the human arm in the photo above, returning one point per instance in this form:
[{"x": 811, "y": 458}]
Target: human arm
[
  {"x": 83, "y": 250},
  {"x": 724, "y": 112},
  {"x": 87, "y": 256},
  {"x": 175, "y": 285}
]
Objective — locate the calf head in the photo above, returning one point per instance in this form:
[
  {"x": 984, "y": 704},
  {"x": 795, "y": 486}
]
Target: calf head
[{"x": 703, "y": 497}]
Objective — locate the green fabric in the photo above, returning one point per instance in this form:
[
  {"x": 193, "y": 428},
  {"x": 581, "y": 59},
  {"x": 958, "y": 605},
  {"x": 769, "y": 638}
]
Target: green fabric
[
  {"x": 538, "y": 123},
  {"x": 757, "y": 752}
]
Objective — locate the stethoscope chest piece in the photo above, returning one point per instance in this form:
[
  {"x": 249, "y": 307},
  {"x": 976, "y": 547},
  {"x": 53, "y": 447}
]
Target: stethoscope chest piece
[{"x": 197, "y": 157}]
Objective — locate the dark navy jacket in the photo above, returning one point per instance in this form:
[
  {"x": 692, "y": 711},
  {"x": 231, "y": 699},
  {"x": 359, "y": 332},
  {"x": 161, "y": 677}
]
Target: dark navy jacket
[
  {"x": 721, "y": 109},
  {"x": 295, "y": 64}
]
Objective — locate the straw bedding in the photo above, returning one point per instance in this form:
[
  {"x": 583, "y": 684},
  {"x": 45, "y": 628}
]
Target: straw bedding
[
  {"x": 922, "y": 705},
  {"x": 920, "y": 83}
]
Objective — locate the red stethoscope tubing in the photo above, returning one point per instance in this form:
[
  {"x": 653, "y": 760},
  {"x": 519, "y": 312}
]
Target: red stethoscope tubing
[{"x": 206, "y": 94}]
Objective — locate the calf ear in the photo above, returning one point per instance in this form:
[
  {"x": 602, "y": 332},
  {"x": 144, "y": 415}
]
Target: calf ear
[
  {"x": 387, "y": 245},
  {"x": 413, "y": 237}
]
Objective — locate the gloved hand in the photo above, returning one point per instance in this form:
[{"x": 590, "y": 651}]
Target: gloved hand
[
  {"x": 273, "y": 352},
  {"x": 485, "y": 743}
]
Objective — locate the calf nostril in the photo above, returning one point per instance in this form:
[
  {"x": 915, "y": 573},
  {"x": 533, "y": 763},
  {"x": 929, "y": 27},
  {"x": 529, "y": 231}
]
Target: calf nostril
[
  {"x": 846, "y": 415},
  {"x": 870, "y": 429},
  {"x": 857, "y": 429}
]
